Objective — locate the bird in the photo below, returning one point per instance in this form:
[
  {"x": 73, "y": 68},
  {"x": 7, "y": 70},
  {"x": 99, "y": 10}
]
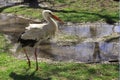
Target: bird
[{"x": 34, "y": 34}]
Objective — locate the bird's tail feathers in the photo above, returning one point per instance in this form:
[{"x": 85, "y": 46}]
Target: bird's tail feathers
[{"x": 19, "y": 47}]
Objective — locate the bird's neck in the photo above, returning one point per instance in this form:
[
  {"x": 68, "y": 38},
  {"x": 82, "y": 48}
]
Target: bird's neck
[{"x": 53, "y": 24}]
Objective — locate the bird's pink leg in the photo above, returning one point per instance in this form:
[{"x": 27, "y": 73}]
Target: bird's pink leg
[
  {"x": 29, "y": 64},
  {"x": 36, "y": 59}
]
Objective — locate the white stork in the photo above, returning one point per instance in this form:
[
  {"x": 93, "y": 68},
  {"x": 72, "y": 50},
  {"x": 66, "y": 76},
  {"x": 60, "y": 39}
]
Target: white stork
[{"x": 36, "y": 33}]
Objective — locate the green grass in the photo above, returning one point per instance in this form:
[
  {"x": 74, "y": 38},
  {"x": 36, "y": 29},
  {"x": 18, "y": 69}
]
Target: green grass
[
  {"x": 13, "y": 69},
  {"x": 24, "y": 11},
  {"x": 75, "y": 11},
  {"x": 3, "y": 45}
]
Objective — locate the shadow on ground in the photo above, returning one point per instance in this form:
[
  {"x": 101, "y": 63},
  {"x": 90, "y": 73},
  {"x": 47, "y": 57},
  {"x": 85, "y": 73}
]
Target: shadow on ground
[{"x": 32, "y": 76}]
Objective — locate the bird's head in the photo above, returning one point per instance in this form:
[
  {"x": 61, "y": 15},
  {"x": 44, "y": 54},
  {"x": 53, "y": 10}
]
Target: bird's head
[{"x": 48, "y": 13}]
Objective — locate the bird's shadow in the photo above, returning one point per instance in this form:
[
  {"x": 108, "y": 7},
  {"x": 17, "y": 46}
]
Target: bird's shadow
[{"x": 26, "y": 76}]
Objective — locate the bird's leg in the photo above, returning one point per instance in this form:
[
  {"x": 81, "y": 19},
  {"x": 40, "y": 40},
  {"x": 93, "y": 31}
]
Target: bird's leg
[
  {"x": 36, "y": 59},
  {"x": 29, "y": 64}
]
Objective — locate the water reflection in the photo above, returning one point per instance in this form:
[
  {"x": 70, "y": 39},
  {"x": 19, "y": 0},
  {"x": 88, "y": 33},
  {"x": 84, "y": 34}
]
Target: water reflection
[
  {"x": 89, "y": 31},
  {"x": 80, "y": 31},
  {"x": 109, "y": 50},
  {"x": 84, "y": 51},
  {"x": 89, "y": 51},
  {"x": 117, "y": 29}
]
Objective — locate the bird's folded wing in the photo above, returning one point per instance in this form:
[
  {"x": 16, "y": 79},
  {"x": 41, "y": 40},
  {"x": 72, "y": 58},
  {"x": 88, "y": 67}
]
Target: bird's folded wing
[{"x": 33, "y": 34}]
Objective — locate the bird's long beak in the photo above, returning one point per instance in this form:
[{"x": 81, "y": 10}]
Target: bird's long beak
[{"x": 58, "y": 19}]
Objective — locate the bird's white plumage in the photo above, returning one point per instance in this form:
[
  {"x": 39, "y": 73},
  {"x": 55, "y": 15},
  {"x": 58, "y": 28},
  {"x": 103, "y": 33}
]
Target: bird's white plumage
[
  {"x": 41, "y": 32},
  {"x": 35, "y": 33},
  {"x": 38, "y": 33},
  {"x": 35, "y": 26}
]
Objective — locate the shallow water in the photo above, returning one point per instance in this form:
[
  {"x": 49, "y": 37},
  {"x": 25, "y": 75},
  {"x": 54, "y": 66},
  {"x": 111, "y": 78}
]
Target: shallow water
[
  {"x": 13, "y": 26},
  {"x": 91, "y": 30}
]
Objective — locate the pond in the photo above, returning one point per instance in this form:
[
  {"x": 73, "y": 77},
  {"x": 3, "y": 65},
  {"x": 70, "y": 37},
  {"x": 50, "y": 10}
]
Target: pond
[{"x": 92, "y": 47}]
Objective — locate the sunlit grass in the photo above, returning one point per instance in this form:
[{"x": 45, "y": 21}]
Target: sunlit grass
[
  {"x": 13, "y": 69},
  {"x": 75, "y": 11},
  {"x": 24, "y": 11},
  {"x": 2, "y": 43}
]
